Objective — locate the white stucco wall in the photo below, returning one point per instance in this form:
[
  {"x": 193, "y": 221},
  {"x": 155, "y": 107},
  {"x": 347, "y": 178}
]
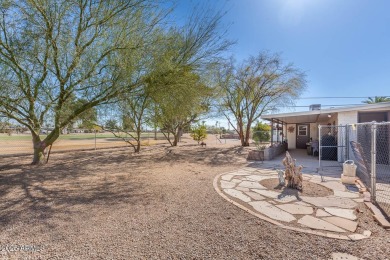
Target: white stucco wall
[
  {"x": 345, "y": 118},
  {"x": 292, "y": 137},
  {"x": 350, "y": 117},
  {"x": 314, "y": 131}
]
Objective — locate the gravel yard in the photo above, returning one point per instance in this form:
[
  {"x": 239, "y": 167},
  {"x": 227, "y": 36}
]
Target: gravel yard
[{"x": 159, "y": 204}]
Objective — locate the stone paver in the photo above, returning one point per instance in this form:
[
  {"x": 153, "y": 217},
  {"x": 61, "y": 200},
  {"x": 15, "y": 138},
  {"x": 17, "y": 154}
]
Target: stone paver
[
  {"x": 367, "y": 233},
  {"x": 344, "y": 213},
  {"x": 252, "y": 185},
  {"x": 271, "y": 211},
  {"x": 322, "y": 213},
  {"x": 330, "y": 202},
  {"x": 302, "y": 203},
  {"x": 260, "y": 177},
  {"x": 227, "y": 185},
  {"x": 237, "y": 194},
  {"x": 227, "y": 177},
  {"x": 357, "y": 236},
  {"x": 316, "y": 223},
  {"x": 275, "y": 195},
  {"x": 254, "y": 195},
  {"x": 296, "y": 209},
  {"x": 242, "y": 188},
  {"x": 343, "y": 256},
  {"x": 242, "y": 173},
  {"x": 333, "y": 185},
  {"x": 332, "y": 213},
  {"x": 344, "y": 194},
  {"x": 255, "y": 177},
  {"x": 342, "y": 222}
]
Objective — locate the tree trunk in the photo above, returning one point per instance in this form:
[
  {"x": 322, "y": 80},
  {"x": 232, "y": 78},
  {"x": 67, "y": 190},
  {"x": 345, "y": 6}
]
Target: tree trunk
[
  {"x": 175, "y": 139},
  {"x": 179, "y": 134},
  {"x": 243, "y": 138},
  {"x": 38, "y": 156},
  {"x": 39, "y": 148},
  {"x": 248, "y": 132},
  {"x": 241, "y": 135},
  {"x": 138, "y": 146},
  {"x": 247, "y": 137}
]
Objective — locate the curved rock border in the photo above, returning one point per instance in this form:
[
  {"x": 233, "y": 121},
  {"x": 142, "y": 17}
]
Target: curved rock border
[{"x": 244, "y": 205}]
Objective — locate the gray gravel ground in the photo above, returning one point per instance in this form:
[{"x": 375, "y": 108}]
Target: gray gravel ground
[{"x": 155, "y": 205}]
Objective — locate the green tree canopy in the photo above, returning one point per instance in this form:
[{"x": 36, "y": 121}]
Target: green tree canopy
[
  {"x": 261, "y": 132},
  {"x": 179, "y": 80},
  {"x": 376, "y": 99},
  {"x": 51, "y": 51}
]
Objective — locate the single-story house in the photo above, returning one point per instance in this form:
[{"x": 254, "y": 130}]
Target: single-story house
[{"x": 299, "y": 128}]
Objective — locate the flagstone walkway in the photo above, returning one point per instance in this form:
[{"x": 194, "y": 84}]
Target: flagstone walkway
[{"x": 331, "y": 216}]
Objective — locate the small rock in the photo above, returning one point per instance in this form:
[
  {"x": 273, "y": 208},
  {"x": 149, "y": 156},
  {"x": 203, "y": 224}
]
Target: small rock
[{"x": 367, "y": 233}]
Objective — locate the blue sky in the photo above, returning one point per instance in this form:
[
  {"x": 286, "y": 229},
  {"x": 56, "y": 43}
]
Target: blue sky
[{"x": 342, "y": 45}]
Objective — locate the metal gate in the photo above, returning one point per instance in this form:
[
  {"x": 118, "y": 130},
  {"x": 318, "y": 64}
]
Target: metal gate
[
  {"x": 370, "y": 149},
  {"x": 333, "y": 145}
]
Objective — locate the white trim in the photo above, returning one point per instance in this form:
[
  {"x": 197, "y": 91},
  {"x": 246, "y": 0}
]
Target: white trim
[{"x": 364, "y": 107}]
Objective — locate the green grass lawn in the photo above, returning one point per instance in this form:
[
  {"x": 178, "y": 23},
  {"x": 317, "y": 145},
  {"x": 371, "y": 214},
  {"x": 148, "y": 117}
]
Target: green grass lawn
[{"x": 80, "y": 136}]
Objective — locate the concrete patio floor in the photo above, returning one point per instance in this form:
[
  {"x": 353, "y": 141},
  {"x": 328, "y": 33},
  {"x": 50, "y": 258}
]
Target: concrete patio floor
[{"x": 310, "y": 164}]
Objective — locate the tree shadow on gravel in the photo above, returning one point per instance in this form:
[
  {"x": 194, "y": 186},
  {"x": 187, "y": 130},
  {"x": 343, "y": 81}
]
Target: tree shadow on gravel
[
  {"x": 211, "y": 156},
  {"x": 71, "y": 180},
  {"x": 59, "y": 189}
]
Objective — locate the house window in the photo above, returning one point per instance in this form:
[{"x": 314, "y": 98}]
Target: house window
[
  {"x": 302, "y": 130},
  {"x": 372, "y": 116}
]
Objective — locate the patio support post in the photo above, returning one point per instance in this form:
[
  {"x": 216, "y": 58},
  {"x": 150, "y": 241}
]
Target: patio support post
[
  {"x": 346, "y": 142},
  {"x": 373, "y": 162},
  {"x": 272, "y": 131},
  {"x": 319, "y": 146}
]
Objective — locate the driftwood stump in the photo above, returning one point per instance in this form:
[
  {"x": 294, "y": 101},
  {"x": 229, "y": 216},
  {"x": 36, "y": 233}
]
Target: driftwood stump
[{"x": 293, "y": 173}]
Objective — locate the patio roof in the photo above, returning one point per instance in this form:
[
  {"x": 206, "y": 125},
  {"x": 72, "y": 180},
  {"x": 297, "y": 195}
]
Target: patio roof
[{"x": 322, "y": 114}]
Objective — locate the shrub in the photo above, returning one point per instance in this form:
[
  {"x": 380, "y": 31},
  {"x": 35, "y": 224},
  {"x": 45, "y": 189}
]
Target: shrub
[
  {"x": 261, "y": 132},
  {"x": 199, "y": 133}
]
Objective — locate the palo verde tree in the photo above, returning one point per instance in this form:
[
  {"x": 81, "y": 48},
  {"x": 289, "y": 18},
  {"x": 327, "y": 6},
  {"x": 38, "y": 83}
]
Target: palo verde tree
[
  {"x": 180, "y": 79},
  {"x": 53, "y": 50},
  {"x": 131, "y": 109},
  {"x": 257, "y": 86},
  {"x": 182, "y": 104}
]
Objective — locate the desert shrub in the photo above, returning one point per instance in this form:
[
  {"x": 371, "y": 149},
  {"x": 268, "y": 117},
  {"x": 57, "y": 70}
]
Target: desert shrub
[
  {"x": 199, "y": 133},
  {"x": 261, "y": 132}
]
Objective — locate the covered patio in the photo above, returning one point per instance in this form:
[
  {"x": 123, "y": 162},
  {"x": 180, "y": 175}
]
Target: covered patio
[
  {"x": 299, "y": 128},
  {"x": 310, "y": 164}
]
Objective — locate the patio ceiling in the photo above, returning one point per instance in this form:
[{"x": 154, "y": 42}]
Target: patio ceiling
[
  {"x": 314, "y": 116},
  {"x": 298, "y": 119}
]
